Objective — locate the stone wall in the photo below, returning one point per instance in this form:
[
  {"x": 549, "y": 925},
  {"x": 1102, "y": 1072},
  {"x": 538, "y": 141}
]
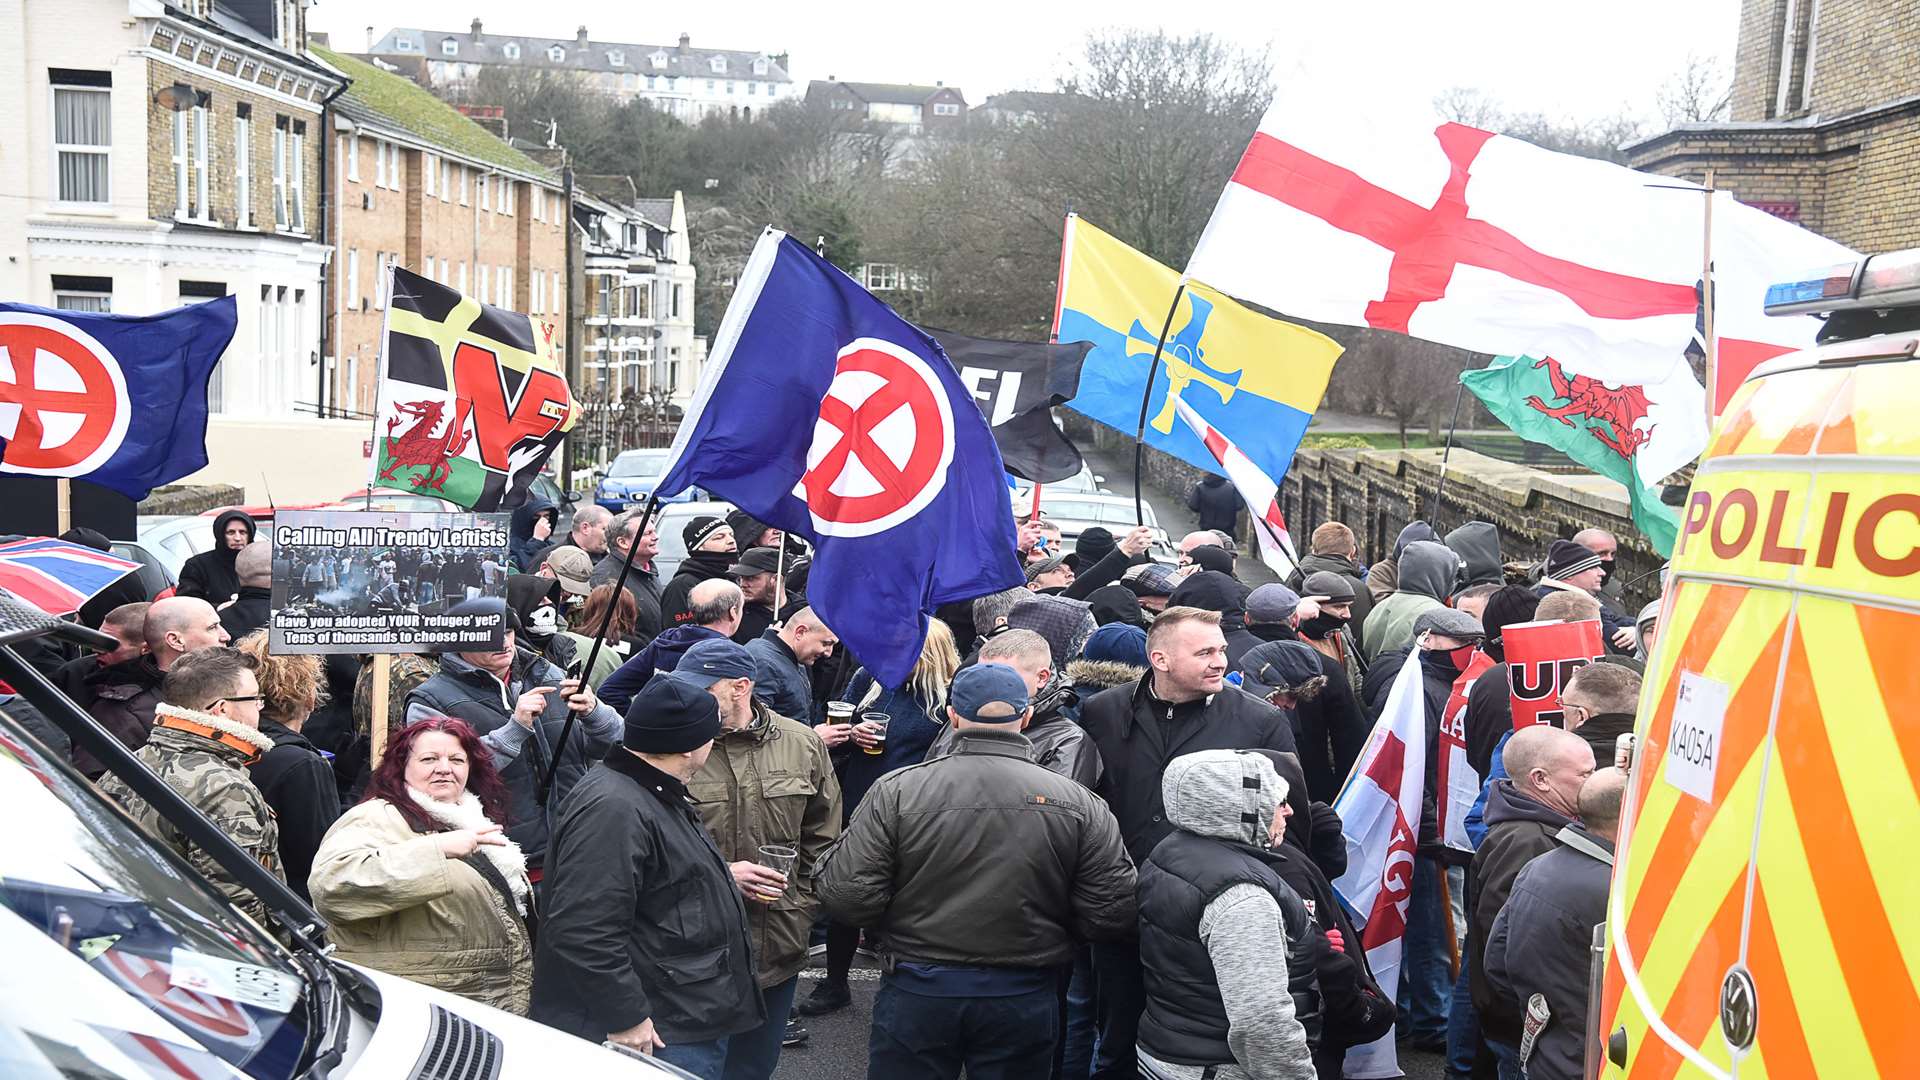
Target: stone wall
[
  {"x": 1379, "y": 492},
  {"x": 191, "y": 498}
]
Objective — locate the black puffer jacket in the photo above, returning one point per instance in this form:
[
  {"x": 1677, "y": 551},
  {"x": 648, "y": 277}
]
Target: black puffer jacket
[
  {"x": 1126, "y": 724},
  {"x": 1215, "y": 591},
  {"x": 694, "y": 569},
  {"x": 248, "y": 613},
  {"x": 299, "y": 786},
  {"x": 209, "y": 575},
  {"x": 642, "y": 919},
  {"x": 123, "y": 697},
  {"x": 1216, "y": 503},
  {"x": 1518, "y": 830}
]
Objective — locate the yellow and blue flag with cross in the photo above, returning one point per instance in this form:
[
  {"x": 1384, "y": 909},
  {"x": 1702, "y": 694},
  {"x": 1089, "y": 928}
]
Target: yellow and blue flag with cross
[{"x": 1256, "y": 379}]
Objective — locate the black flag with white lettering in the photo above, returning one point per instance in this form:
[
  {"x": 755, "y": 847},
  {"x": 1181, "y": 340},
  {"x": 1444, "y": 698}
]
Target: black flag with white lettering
[{"x": 1016, "y": 384}]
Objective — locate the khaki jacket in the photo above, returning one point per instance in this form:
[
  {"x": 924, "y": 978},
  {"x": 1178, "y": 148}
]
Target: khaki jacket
[
  {"x": 399, "y": 905},
  {"x": 212, "y": 775},
  {"x": 772, "y": 784}
]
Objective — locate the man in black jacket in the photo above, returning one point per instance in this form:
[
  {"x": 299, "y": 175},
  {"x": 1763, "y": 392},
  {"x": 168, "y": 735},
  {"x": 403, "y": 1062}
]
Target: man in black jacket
[
  {"x": 1598, "y": 704},
  {"x": 210, "y": 574},
  {"x": 644, "y": 940},
  {"x": 1336, "y": 551},
  {"x": 253, "y": 569},
  {"x": 1542, "y": 942},
  {"x": 643, "y": 581},
  {"x": 1216, "y": 503},
  {"x": 977, "y": 935},
  {"x": 710, "y": 552},
  {"x": 1548, "y": 766},
  {"x": 1181, "y": 705}
]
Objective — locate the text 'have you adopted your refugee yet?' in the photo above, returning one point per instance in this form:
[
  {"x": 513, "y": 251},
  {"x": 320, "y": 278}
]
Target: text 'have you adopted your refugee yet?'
[
  {"x": 404, "y": 628},
  {"x": 473, "y": 536}
]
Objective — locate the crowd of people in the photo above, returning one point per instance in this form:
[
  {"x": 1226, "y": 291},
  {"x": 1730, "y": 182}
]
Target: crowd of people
[{"x": 1090, "y": 836}]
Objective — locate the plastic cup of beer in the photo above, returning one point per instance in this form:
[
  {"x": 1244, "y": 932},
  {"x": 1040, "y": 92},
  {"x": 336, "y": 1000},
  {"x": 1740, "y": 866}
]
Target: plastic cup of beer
[
  {"x": 876, "y": 725},
  {"x": 776, "y": 857},
  {"x": 839, "y": 712}
]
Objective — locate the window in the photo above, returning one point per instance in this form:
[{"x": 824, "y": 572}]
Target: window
[
  {"x": 882, "y": 276},
  {"x": 379, "y": 280},
  {"x": 539, "y": 290},
  {"x": 197, "y": 292},
  {"x": 243, "y": 167},
  {"x": 503, "y": 286},
  {"x": 449, "y": 47},
  {"x": 463, "y": 185},
  {"x": 617, "y": 58},
  {"x": 659, "y": 59},
  {"x": 945, "y": 108},
  {"x": 729, "y": 86},
  {"x": 506, "y": 196},
  {"x": 393, "y": 166},
  {"x": 480, "y": 281},
  {"x": 298, "y": 165},
  {"x": 511, "y": 50},
  {"x": 650, "y": 81},
  {"x": 352, "y": 154},
  {"x": 72, "y": 292},
  {"x": 539, "y": 208},
  {"x": 180, "y": 135},
  {"x": 678, "y": 292},
  {"x": 711, "y": 84},
  {"x": 753, "y": 88},
  {"x": 718, "y": 64},
  {"x": 430, "y": 268},
  {"x": 202, "y": 165},
  {"x": 463, "y": 277},
  {"x": 379, "y": 164},
  {"x": 553, "y": 291},
  {"x": 760, "y": 65},
  {"x": 557, "y": 54},
  {"x": 486, "y": 202},
  {"x": 280, "y": 172},
  {"x": 446, "y": 180},
  {"x": 82, "y": 134},
  {"x": 402, "y": 45},
  {"x": 430, "y": 171},
  {"x": 351, "y": 290}
]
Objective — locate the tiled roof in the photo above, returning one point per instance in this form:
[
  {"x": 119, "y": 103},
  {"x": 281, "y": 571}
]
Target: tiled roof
[
  {"x": 385, "y": 99},
  {"x": 884, "y": 93}
]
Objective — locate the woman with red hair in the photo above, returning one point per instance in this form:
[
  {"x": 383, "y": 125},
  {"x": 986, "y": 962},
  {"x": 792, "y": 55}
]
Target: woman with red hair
[{"x": 420, "y": 881}]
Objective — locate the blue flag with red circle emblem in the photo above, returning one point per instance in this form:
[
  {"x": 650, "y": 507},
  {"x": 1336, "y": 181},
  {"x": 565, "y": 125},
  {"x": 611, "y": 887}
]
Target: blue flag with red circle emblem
[
  {"x": 118, "y": 400},
  {"x": 823, "y": 413}
]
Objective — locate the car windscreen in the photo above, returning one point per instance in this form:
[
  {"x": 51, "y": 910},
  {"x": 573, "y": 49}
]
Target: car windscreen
[
  {"x": 102, "y": 889},
  {"x": 1100, "y": 512},
  {"x": 633, "y": 464}
]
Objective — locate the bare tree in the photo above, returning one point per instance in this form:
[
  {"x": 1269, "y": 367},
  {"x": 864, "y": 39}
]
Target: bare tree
[
  {"x": 1701, "y": 91},
  {"x": 1469, "y": 105}
]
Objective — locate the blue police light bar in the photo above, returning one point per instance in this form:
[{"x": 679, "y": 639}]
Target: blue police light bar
[{"x": 1823, "y": 291}]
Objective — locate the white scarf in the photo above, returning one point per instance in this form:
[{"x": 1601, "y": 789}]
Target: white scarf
[
  {"x": 250, "y": 736},
  {"x": 467, "y": 814}
]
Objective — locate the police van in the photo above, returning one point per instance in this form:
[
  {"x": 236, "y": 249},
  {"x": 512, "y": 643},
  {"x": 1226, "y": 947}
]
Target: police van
[
  {"x": 122, "y": 961},
  {"x": 1764, "y": 918}
]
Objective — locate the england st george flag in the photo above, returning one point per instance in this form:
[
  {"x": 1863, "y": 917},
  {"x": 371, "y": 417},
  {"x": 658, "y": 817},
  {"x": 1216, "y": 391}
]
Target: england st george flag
[{"x": 473, "y": 399}]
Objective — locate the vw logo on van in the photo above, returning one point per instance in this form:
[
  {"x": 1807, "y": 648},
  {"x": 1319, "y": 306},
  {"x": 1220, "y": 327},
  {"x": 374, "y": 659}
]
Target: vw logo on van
[{"x": 1739, "y": 1009}]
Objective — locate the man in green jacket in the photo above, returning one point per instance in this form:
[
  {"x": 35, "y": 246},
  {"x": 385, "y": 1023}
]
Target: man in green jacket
[{"x": 768, "y": 782}]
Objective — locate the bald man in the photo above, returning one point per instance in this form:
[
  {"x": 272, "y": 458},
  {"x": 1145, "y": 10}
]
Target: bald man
[
  {"x": 781, "y": 657},
  {"x": 1546, "y": 768},
  {"x": 250, "y": 610},
  {"x": 1540, "y": 942},
  {"x": 716, "y": 606},
  {"x": 123, "y": 696}
]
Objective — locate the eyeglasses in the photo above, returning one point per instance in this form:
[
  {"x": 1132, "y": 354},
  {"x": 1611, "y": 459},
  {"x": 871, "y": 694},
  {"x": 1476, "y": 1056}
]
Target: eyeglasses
[{"x": 234, "y": 700}]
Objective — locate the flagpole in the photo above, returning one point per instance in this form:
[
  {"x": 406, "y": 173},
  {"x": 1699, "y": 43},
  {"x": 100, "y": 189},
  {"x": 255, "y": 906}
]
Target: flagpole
[
  {"x": 379, "y": 386},
  {"x": 63, "y": 505},
  {"x": 1447, "y": 454},
  {"x": 1446, "y": 910},
  {"x": 1706, "y": 301},
  {"x": 600, "y": 636},
  {"x": 1146, "y": 399}
]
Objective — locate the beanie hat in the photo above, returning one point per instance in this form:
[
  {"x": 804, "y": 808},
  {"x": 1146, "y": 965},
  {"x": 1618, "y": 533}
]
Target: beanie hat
[
  {"x": 1508, "y": 605},
  {"x": 747, "y": 530},
  {"x": 1328, "y": 585},
  {"x": 1093, "y": 544},
  {"x": 700, "y": 528},
  {"x": 1212, "y": 557},
  {"x": 1566, "y": 558},
  {"x": 670, "y": 716},
  {"x": 1118, "y": 643}
]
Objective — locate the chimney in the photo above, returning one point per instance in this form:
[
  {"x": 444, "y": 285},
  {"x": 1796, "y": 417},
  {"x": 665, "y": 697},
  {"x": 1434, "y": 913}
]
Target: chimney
[
  {"x": 781, "y": 58},
  {"x": 476, "y": 28},
  {"x": 686, "y": 41},
  {"x": 939, "y": 83},
  {"x": 580, "y": 38},
  {"x": 369, "y": 39}
]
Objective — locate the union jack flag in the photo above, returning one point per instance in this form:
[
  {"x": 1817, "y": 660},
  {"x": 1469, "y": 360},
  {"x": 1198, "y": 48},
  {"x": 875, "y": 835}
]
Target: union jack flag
[{"x": 58, "y": 577}]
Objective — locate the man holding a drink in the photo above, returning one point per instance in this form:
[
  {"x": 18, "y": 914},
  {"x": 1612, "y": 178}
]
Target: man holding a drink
[{"x": 768, "y": 795}]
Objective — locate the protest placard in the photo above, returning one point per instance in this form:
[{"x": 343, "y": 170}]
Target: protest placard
[
  {"x": 348, "y": 581},
  {"x": 1541, "y": 660}
]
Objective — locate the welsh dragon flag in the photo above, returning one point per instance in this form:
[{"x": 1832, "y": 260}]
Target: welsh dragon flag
[
  {"x": 1609, "y": 429},
  {"x": 473, "y": 398}
]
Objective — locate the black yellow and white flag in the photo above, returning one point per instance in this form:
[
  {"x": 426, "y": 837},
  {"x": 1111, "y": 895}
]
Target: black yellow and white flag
[{"x": 473, "y": 398}]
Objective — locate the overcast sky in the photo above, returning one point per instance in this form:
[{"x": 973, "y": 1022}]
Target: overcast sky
[{"x": 1564, "y": 60}]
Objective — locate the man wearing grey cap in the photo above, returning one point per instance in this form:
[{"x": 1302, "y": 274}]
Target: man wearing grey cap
[
  {"x": 768, "y": 781},
  {"x": 977, "y": 933},
  {"x": 1330, "y": 630},
  {"x": 1153, "y": 584},
  {"x": 645, "y": 940}
]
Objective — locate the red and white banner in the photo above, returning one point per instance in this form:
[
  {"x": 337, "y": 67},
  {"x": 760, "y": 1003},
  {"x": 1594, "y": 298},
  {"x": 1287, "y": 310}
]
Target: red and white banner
[
  {"x": 1379, "y": 812},
  {"x": 1541, "y": 660},
  {"x": 1458, "y": 781},
  {"x": 1256, "y": 488},
  {"x": 1393, "y": 218}
]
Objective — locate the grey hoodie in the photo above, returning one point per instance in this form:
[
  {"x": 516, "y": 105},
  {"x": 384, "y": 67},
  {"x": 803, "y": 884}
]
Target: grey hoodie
[
  {"x": 1478, "y": 545},
  {"x": 1428, "y": 571},
  {"x": 1206, "y": 794}
]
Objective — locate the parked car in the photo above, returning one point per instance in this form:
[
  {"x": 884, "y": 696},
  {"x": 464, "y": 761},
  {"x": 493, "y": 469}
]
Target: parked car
[
  {"x": 396, "y": 501},
  {"x": 631, "y": 477},
  {"x": 162, "y": 544},
  {"x": 124, "y": 961},
  {"x": 1076, "y": 512},
  {"x": 1086, "y": 480}
]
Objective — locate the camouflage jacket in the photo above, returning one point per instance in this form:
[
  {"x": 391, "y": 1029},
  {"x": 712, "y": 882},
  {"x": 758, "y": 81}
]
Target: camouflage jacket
[
  {"x": 212, "y": 775},
  {"x": 408, "y": 671}
]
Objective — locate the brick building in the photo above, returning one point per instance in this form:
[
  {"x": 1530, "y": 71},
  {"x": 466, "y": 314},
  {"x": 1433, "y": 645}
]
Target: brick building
[
  {"x": 417, "y": 184},
  {"x": 169, "y": 153},
  {"x": 1825, "y": 120}
]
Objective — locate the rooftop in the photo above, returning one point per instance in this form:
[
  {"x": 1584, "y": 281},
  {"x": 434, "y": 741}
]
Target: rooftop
[
  {"x": 682, "y": 60},
  {"x": 885, "y": 93},
  {"x": 385, "y": 99}
]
